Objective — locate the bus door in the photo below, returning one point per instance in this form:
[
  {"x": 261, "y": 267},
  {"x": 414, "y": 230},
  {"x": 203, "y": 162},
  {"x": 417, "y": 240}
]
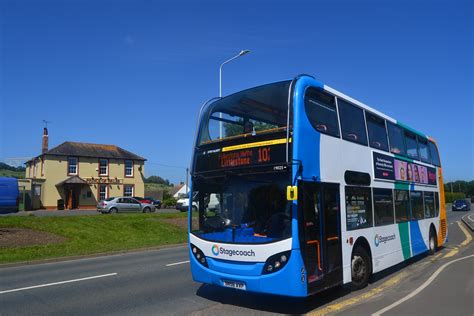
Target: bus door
[{"x": 320, "y": 234}]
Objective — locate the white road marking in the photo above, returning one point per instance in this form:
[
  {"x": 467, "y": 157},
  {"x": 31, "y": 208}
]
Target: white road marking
[
  {"x": 420, "y": 288},
  {"x": 176, "y": 263},
  {"x": 471, "y": 219},
  {"x": 58, "y": 283}
]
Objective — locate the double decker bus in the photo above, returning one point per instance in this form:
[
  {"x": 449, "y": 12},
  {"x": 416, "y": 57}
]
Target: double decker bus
[{"x": 310, "y": 189}]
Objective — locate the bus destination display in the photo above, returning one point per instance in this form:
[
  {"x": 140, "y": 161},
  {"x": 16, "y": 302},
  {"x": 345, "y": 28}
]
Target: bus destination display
[{"x": 219, "y": 159}]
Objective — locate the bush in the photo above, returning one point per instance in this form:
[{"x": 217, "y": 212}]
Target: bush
[
  {"x": 449, "y": 197},
  {"x": 169, "y": 202}
]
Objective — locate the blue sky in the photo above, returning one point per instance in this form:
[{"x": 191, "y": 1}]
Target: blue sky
[{"x": 135, "y": 73}]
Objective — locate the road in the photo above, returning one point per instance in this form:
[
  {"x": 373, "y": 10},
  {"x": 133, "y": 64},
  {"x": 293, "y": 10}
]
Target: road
[{"x": 159, "y": 282}]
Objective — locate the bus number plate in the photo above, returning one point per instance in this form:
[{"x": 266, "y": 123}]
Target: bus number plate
[{"x": 234, "y": 284}]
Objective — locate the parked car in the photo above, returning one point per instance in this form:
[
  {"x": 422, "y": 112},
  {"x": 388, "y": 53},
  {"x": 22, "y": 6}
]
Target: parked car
[
  {"x": 142, "y": 200},
  {"x": 155, "y": 202},
  {"x": 123, "y": 204},
  {"x": 461, "y": 205},
  {"x": 9, "y": 195}
]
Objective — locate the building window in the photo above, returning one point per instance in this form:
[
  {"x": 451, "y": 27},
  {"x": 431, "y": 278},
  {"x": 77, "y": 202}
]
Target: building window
[
  {"x": 103, "y": 191},
  {"x": 129, "y": 168},
  {"x": 402, "y": 206},
  {"x": 352, "y": 122},
  {"x": 34, "y": 169},
  {"x": 321, "y": 110},
  {"x": 128, "y": 190},
  {"x": 103, "y": 167},
  {"x": 358, "y": 208},
  {"x": 383, "y": 207},
  {"x": 72, "y": 166},
  {"x": 42, "y": 167}
]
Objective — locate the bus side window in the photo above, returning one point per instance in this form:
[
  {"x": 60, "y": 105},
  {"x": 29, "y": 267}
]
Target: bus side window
[
  {"x": 320, "y": 108},
  {"x": 424, "y": 151},
  {"x": 402, "y": 207},
  {"x": 434, "y": 154},
  {"x": 352, "y": 122},
  {"x": 429, "y": 204},
  {"x": 358, "y": 207},
  {"x": 383, "y": 207},
  {"x": 416, "y": 203},
  {"x": 412, "y": 145},
  {"x": 377, "y": 132},
  {"x": 395, "y": 134}
]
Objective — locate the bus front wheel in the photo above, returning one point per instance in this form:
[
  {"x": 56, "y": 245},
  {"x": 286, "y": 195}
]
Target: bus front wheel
[{"x": 360, "y": 268}]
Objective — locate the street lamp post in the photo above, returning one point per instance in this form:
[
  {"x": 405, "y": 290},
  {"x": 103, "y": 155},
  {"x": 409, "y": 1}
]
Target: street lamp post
[{"x": 242, "y": 52}]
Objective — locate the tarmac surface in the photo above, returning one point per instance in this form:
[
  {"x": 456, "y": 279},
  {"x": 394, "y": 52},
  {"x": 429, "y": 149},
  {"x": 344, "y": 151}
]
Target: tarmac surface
[{"x": 159, "y": 282}]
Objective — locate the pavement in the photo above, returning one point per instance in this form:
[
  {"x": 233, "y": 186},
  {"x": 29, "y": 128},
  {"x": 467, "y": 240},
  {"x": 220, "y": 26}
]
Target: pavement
[{"x": 159, "y": 282}]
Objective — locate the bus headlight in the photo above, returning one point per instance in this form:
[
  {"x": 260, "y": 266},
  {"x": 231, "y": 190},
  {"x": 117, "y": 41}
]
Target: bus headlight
[
  {"x": 276, "y": 262},
  {"x": 199, "y": 255}
]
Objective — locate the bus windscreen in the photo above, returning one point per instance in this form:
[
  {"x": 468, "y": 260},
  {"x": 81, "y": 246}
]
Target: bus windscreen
[{"x": 252, "y": 112}]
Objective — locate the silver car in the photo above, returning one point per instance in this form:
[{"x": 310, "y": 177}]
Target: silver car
[{"x": 123, "y": 204}]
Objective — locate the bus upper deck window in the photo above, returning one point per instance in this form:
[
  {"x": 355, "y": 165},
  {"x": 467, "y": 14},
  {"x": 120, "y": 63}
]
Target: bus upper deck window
[
  {"x": 424, "y": 152},
  {"x": 377, "y": 132},
  {"x": 434, "y": 154},
  {"x": 412, "y": 146},
  {"x": 320, "y": 108},
  {"x": 352, "y": 122},
  {"x": 395, "y": 134}
]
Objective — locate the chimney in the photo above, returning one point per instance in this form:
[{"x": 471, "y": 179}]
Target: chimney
[{"x": 44, "y": 146}]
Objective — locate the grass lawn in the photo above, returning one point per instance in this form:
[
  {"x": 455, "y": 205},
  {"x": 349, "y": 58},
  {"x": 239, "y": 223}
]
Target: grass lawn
[{"x": 95, "y": 234}]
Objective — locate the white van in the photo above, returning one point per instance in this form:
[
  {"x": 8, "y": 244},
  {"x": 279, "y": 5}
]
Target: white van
[{"x": 183, "y": 203}]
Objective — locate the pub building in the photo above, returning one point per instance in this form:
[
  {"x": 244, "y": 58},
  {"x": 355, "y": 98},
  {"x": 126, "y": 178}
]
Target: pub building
[{"x": 78, "y": 175}]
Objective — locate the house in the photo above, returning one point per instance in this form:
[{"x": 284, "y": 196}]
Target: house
[{"x": 78, "y": 175}]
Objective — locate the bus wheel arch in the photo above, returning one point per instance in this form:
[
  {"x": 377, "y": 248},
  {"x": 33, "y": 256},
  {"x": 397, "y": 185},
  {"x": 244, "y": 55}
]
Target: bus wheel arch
[
  {"x": 361, "y": 263},
  {"x": 433, "y": 240}
]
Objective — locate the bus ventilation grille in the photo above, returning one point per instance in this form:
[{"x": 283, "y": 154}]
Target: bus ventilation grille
[{"x": 443, "y": 228}]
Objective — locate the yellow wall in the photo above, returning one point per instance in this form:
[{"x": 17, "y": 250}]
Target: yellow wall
[{"x": 55, "y": 171}]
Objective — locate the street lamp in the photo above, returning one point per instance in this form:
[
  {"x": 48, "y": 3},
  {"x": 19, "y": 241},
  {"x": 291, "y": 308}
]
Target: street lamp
[{"x": 242, "y": 52}]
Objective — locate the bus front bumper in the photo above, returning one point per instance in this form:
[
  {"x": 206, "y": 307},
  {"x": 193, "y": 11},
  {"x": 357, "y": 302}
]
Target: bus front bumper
[{"x": 289, "y": 281}]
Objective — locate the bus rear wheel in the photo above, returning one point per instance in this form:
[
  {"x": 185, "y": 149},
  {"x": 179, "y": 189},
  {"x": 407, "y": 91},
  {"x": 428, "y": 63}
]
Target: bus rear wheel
[
  {"x": 360, "y": 268},
  {"x": 433, "y": 244}
]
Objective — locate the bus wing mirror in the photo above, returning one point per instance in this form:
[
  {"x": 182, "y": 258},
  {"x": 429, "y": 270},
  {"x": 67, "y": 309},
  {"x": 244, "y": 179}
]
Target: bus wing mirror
[{"x": 291, "y": 193}]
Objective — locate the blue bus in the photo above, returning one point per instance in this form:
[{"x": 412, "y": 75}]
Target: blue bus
[{"x": 298, "y": 188}]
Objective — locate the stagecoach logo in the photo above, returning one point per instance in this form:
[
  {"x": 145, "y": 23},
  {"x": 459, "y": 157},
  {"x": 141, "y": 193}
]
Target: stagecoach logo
[
  {"x": 382, "y": 239},
  {"x": 216, "y": 250}
]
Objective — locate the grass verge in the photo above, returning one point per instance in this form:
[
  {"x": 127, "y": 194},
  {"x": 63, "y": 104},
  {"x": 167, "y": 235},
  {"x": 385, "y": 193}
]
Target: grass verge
[{"x": 94, "y": 234}]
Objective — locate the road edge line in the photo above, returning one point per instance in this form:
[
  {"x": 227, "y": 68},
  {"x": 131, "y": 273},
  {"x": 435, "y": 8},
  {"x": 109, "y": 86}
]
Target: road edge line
[
  {"x": 336, "y": 307},
  {"x": 420, "y": 288},
  {"x": 468, "y": 235}
]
